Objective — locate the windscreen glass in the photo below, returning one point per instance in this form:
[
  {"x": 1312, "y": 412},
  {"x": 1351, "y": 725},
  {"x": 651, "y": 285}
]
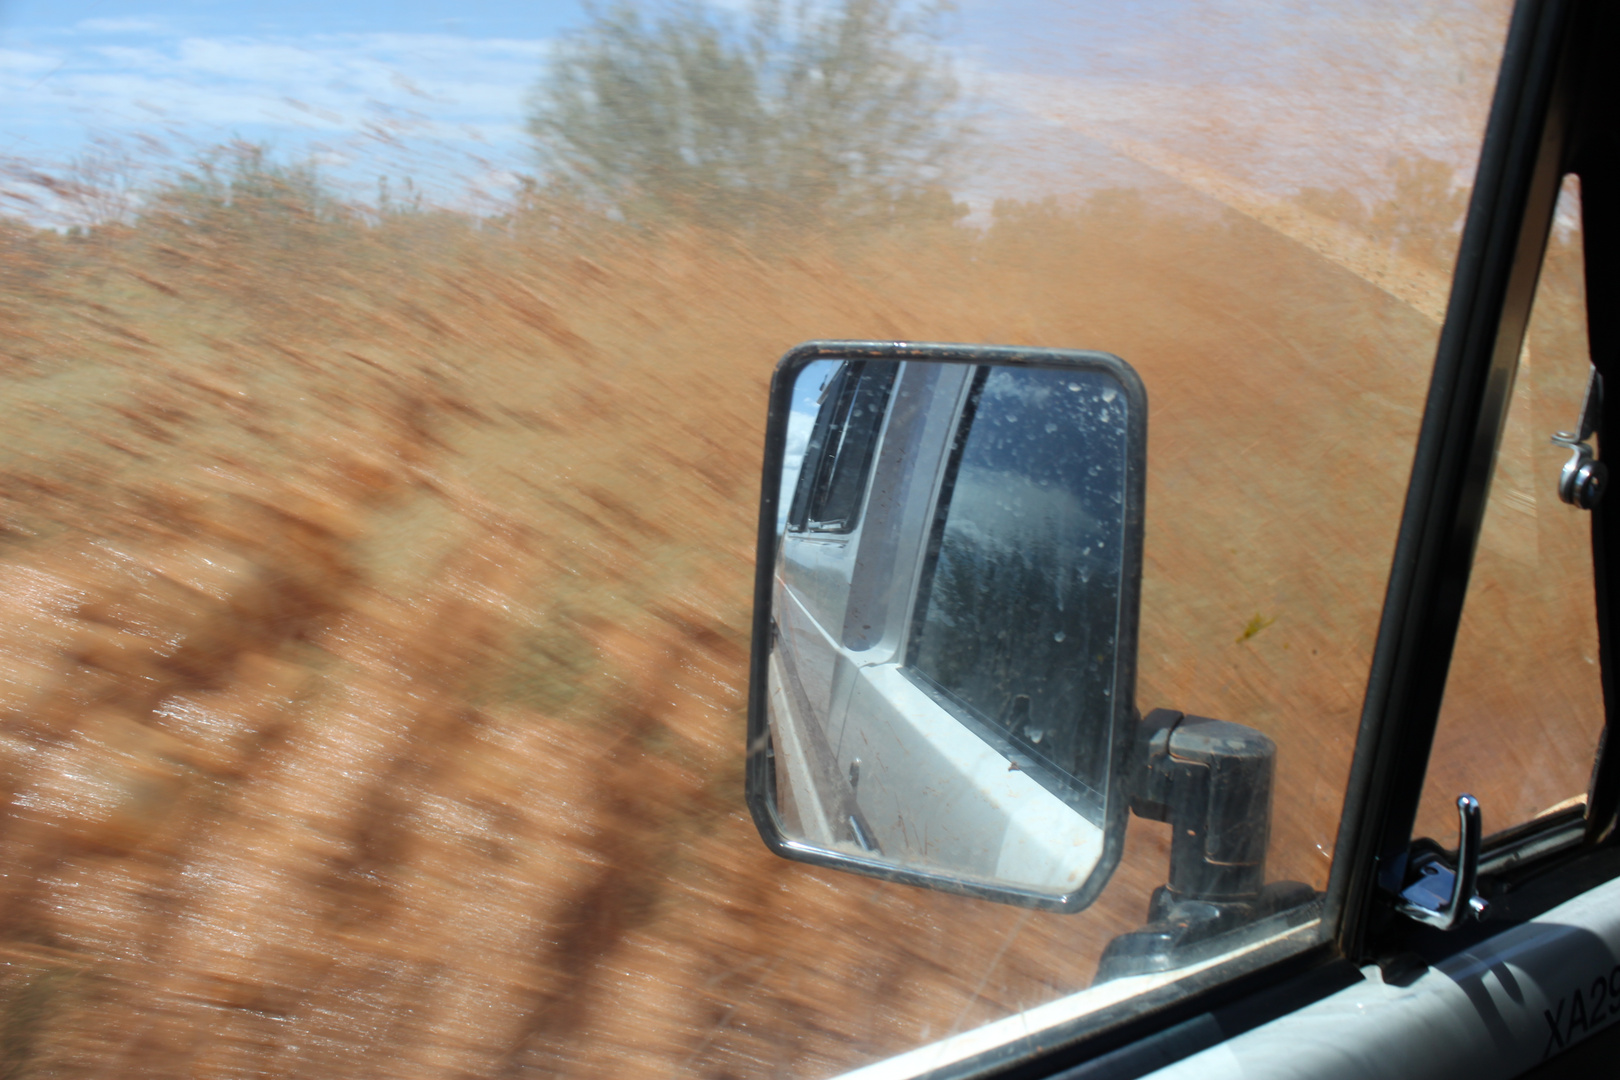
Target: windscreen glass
[
  {"x": 1018, "y": 609},
  {"x": 384, "y": 391}
]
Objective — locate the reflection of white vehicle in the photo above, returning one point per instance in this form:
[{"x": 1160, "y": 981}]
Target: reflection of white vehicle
[{"x": 947, "y": 606}]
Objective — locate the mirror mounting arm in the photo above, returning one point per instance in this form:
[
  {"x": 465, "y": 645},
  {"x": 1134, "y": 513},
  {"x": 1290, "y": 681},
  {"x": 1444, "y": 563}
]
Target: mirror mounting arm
[{"x": 1211, "y": 781}]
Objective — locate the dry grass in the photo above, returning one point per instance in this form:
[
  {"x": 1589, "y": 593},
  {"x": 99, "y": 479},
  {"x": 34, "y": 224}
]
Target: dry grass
[{"x": 376, "y": 600}]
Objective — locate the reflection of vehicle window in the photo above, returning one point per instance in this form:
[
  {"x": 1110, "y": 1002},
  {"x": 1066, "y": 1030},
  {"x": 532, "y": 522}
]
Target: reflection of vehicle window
[
  {"x": 1019, "y": 605},
  {"x": 838, "y": 459}
]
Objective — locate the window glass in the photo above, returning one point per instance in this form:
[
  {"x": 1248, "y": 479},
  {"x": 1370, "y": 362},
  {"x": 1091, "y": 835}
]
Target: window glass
[
  {"x": 1018, "y": 607},
  {"x": 1524, "y": 701},
  {"x": 377, "y": 503},
  {"x": 838, "y": 460},
  {"x": 834, "y": 392}
]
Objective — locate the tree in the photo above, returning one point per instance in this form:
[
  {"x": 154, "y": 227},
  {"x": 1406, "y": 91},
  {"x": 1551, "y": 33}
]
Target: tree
[
  {"x": 842, "y": 112},
  {"x": 240, "y": 188},
  {"x": 105, "y": 180}
]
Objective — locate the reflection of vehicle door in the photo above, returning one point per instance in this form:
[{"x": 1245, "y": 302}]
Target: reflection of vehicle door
[
  {"x": 823, "y": 530},
  {"x": 1017, "y": 611},
  {"x": 982, "y": 732},
  {"x": 814, "y": 572},
  {"x": 845, "y": 567}
]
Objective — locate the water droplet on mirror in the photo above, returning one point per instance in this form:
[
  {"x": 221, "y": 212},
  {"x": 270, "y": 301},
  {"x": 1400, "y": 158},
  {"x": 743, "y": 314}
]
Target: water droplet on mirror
[
  {"x": 1036, "y": 734},
  {"x": 1059, "y": 636},
  {"x": 1074, "y": 386},
  {"x": 1051, "y": 428},
  {"x": 1109, "y": 394}
]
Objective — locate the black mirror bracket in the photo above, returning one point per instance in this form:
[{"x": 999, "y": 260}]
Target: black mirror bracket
[{"x": 1211, "y": 781}]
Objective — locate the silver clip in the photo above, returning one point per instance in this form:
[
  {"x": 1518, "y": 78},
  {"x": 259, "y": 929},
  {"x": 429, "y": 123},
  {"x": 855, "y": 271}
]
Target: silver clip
[
  {"x": 1443, "y": 896},
  {"x": 1584, "y": 479}
]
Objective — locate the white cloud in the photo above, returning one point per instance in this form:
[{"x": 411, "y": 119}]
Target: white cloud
[
  {"x": 119, "y": 26},
  {"x": 436, "y": 105},
  {"x": 17, "y": 66},
  {"x": 128, "y": 56}
]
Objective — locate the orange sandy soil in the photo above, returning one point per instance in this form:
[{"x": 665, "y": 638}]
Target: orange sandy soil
[{"x": 374, "y": 607}]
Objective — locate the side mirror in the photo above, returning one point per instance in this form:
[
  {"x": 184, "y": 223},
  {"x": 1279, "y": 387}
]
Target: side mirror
[{"x": 946, "y": 602}]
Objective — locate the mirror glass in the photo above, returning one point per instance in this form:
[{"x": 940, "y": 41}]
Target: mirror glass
[{"x": 948, "y": 654}]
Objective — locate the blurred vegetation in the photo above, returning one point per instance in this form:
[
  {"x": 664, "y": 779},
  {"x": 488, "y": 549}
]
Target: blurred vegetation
[
  {"x": 796, "y": 116},
  {"x": 240, "y": 190}
]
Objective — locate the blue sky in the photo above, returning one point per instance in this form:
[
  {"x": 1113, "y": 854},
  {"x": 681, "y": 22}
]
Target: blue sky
[
  {"x": 1280, "y": 91},
  {"x": 432, "y": 89}
]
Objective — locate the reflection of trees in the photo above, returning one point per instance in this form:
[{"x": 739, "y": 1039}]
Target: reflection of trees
[
  {"x": 1422, "y": 220},
  {"x": 1024, "y": 635}
]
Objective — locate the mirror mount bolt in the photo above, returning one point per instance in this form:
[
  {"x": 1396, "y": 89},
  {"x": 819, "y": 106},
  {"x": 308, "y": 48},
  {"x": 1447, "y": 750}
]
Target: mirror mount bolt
[{"x": 1211, "y": 781}]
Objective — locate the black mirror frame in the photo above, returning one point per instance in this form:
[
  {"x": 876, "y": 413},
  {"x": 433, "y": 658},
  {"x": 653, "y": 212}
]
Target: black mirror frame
[{"x": 760, "y": 777}]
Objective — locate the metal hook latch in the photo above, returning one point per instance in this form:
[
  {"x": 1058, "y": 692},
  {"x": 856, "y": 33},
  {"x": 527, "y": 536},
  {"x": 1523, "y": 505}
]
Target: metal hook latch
[
  {"x": 1583, "y": 479},
  {"x": 1444, "y": 896}
]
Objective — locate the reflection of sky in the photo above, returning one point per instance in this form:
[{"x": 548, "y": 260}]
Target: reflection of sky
[
  {"x": 800, "y": 420},
  {"x": 436, "y": 89}
]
